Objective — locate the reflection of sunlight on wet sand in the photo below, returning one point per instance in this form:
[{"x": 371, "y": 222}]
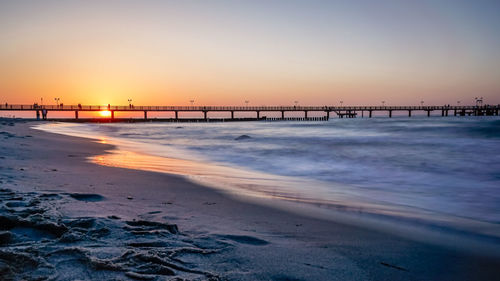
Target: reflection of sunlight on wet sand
[
  {"x": 261, "y": 185},
  {"x": 200, "y": 172},
  {"x": 234, "y": 180},
  {"x": 103, "y": 140},
  {"x": 70, "y": 129}
]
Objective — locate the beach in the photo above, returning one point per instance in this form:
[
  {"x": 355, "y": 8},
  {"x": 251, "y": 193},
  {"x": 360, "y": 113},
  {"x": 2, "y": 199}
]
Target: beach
[{"x": 65, "y": 218}]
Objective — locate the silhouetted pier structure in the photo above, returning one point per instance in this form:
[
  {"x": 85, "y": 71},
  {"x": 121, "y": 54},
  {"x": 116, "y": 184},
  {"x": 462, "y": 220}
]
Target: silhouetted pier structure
[{"x": 42, "y": 111}]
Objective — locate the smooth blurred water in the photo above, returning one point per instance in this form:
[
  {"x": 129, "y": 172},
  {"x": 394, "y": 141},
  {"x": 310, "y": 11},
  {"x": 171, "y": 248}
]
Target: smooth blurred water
[{"x": 446, "y": 168}]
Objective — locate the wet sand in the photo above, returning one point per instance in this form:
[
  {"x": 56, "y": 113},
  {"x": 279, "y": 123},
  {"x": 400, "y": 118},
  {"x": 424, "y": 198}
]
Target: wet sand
[{"x": 64, "y": 218}]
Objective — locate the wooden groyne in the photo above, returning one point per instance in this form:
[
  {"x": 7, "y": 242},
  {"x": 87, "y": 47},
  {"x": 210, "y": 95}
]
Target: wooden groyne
[{"x": 42, "y": 111}]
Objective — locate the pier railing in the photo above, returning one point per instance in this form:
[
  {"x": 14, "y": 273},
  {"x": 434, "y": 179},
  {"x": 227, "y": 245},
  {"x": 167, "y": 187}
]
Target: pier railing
[
  {"x": 234, "y": 108},
  {"x": 340, "y": 111}
]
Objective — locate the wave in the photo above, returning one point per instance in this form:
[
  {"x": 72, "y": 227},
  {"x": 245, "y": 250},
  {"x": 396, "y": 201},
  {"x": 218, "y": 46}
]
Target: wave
[{"x": 441, "y": 171}]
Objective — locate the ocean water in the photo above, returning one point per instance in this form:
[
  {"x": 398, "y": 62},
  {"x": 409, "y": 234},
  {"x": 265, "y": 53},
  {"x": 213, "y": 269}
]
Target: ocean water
[{"x": 443, "y": 172}]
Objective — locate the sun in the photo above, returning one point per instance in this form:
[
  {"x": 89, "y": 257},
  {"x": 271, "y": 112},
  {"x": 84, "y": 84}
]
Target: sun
[{"x": 105, "y": 113}]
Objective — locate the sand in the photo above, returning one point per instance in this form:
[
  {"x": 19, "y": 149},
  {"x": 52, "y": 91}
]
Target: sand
[{"x": 63, "y": 218}]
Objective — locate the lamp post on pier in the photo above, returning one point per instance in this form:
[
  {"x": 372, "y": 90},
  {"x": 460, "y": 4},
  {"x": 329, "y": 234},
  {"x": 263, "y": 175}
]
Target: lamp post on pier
[{"x": 479, "y": 101}]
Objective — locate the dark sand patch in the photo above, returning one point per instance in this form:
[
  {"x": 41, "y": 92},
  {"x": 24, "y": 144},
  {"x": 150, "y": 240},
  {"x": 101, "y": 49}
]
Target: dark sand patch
[
  {"x": 244, "y": 239},
  {"x": 15, "y": 204},
  {"x": 393, "y": 266},
  {"x": 89, "y": 197},
  {"x": 5, "y": 237},
  {"x": 151, "y": 225}
]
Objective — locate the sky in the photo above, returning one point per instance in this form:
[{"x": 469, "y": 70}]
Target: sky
[{"x": 361, "y": 52}]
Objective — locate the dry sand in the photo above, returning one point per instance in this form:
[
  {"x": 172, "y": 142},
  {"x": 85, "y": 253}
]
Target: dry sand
[{"x": 63, "y": 218}]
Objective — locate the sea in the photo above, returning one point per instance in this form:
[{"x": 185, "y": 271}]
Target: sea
[{"x": 441, "y": 174}]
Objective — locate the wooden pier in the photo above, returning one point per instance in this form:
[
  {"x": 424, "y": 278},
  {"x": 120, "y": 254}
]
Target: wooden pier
[{"x": 42, "y": 111}]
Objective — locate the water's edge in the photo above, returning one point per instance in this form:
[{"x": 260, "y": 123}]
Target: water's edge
[{"x": 473, "y": 235}]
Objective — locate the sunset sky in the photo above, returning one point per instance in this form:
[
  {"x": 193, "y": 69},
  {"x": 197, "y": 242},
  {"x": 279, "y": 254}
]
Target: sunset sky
[{"x": 268, "y": 52}]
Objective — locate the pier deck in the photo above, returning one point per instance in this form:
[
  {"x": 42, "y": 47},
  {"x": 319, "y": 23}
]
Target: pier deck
[{"x": 42, "y": 111}]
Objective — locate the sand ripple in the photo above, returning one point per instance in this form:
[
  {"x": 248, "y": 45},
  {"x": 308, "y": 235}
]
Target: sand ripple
[{"x": 38, "y": 243}]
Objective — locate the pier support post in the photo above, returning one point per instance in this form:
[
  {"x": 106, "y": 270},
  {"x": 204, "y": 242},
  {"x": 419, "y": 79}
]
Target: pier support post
[
  {"x": 327, "y": 115},
  {"x": 370, "y": 115},
  {"x": 390, "y": 113},
  {"x": 258, "y": 114},
  {"x": 76, "y": 114},
  {"x": 446, "y": 112},
  {"x": 232, "y": 114},
  {"x": 442, "y": 112},
  {"x": 282, "y": 114},
  {"x": 205, "y": 115},
  {"x": 428, "y": 113},
  {"x": 112, "y": 114},
  {"x": 362, "y": 114},
  {"x": 176, "y": 115},
  {"x": 409, "y": 113},
  {"x": 305, "y": 114},
  {"x": 455, "y": 112},
  {"x": 145, "y": 115}
]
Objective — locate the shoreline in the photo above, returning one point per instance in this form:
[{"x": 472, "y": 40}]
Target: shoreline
[
  {"x": 296, "y": 246},
  {"x": 284, "y": 193}
]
